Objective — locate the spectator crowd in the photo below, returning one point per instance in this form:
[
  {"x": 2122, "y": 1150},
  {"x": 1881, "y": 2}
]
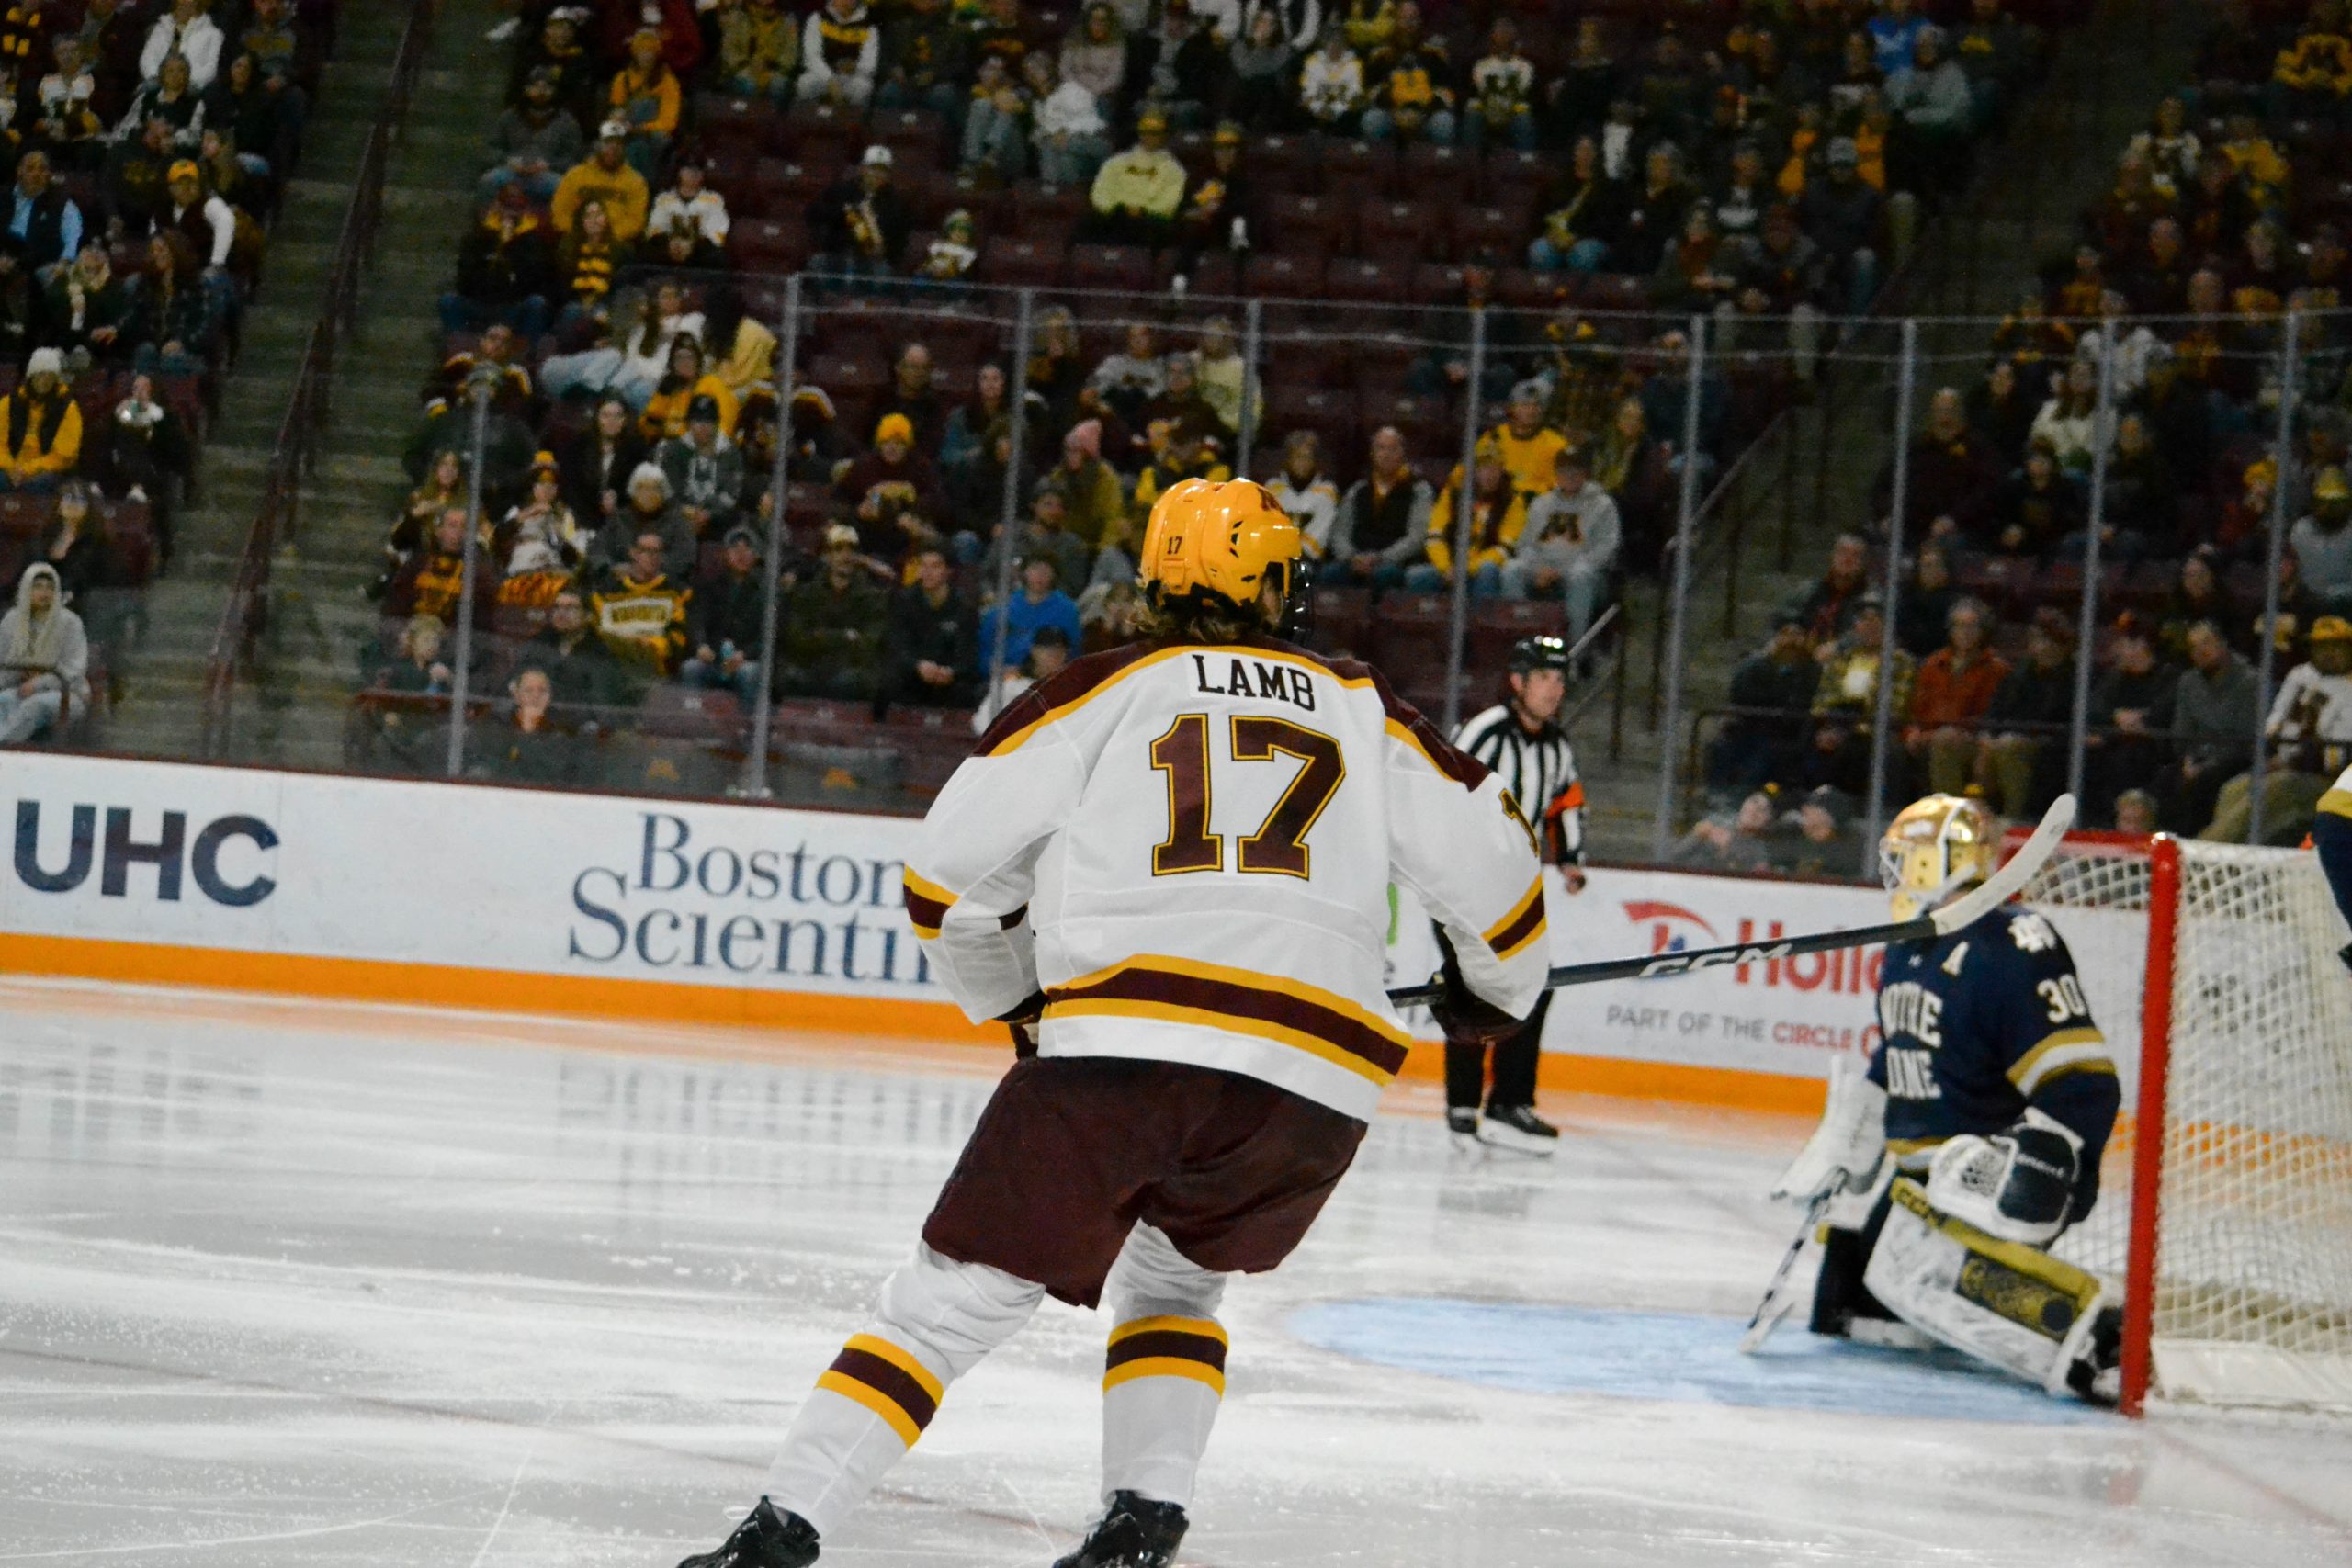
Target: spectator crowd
[
  {"x": 149, "y": 141},
  {"x": 1590, "y": 175},
  {"x": 2226, "y": 213}
]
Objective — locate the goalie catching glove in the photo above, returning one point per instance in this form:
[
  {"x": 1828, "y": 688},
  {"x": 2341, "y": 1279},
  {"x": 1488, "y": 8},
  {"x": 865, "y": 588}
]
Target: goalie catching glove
[{"x": 2015, "y": 1185}]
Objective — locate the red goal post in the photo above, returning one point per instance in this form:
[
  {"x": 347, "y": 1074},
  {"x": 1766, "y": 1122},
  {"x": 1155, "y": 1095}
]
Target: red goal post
[{"x": 2225, "y": 1208}]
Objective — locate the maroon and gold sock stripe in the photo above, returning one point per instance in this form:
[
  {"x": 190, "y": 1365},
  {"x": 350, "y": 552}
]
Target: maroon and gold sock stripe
[
  {"x": 1166, "y": 1347},
  {"x": 887, "y": 1381}
]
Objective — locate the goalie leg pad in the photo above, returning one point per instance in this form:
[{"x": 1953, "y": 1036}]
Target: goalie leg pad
[{"x": 2002, "y": 1301}]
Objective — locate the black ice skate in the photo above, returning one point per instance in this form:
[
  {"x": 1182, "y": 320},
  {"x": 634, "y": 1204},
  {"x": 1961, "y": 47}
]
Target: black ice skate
[
  {"x": 768, "y": 1538},
  {"x": 1462, "y": 1124},
  {"x": 2096, "y": 1375},
  {"x": 1517, "y": 1127},
  {"x": 1134, "y": 1532}
]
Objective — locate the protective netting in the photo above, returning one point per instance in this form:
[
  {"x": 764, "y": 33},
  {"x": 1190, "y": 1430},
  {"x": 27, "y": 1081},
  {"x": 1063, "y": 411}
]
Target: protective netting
[{"x": 2253, "y": 1289}]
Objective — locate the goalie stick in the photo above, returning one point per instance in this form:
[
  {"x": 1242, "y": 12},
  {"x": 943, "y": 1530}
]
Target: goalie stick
[
  {"x": 1777, "y": 1300},
  {"x": 1966, "y": 910}
]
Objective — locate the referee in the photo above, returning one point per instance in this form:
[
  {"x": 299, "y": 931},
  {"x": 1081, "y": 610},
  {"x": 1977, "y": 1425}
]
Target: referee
[{"x": 1521, "y": 741}]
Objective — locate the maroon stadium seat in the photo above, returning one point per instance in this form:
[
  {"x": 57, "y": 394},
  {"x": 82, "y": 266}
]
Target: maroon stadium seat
[
  {"x": 1430, "y": 173},
  {"x": 915, "y": 137},
  {"x": 1284, "y": 275},
  {"x": 1307, "y": 225},
  {"x": 770, "y": 244},
  {"x": 1124, "y": 269},
  {"x": 1349, "y": 278},
  {"x": 1023, "y": 262},
  {"x": 1488, "y": 227},
  {"x": 823, "y": 134},
  {"x": 1392, "y": 230}
]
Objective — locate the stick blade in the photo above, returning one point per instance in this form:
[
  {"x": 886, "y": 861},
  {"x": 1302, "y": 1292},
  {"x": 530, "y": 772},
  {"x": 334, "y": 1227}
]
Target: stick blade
[
  {"x": 1767, "y": 1320},
  {"x": 2010, "y": 880}
]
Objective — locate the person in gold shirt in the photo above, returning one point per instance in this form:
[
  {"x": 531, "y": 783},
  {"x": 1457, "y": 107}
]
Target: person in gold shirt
[
  {"x": 1498, "y": 515},
  {"x": 1528, "y": 446},
  {"x": 1136, "y": 192}
]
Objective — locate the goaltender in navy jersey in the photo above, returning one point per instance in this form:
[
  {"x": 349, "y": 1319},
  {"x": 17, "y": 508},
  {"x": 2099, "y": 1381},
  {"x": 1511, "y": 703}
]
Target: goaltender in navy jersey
[
  {"x": 1188, "y": 850},
  {"x": 1982, "y": 1023}
]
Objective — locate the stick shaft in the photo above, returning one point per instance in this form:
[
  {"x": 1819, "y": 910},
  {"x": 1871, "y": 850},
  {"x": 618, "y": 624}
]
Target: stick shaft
[
  {"x": 1770, "y": 1309},
  {"x": 2005, "y": 884},
  {"x": 1657, "y": 965}
]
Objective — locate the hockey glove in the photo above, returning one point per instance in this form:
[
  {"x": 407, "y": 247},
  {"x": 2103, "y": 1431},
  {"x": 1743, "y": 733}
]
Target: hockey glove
[
  {"x": 1466, "y": 1018},
  {"x": 2015, "y": 1185},
  {"x": 1021, "y": 1022}
]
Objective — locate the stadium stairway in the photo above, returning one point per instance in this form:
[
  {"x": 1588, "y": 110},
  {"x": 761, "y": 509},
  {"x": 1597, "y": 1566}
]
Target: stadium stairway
[
  {"x": 160, "y": 712},
  {"x": 317, "y": 620},
  {"x": 2104, "y": 81}
]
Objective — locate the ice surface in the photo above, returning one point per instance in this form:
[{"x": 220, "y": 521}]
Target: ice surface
[{"x": 286, "y": 1285}]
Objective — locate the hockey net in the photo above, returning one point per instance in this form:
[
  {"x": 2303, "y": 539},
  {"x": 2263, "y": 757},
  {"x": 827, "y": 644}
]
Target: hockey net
[{"x": 2226, "y": 1206}]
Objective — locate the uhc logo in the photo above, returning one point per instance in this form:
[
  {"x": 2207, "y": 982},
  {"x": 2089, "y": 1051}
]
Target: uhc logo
[{"x": 170, "y": 852}]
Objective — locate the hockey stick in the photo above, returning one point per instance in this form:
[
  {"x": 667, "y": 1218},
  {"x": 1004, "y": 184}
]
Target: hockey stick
[
  {"x": 1966, "y": 910},
  {"x": 1777, "y": 1300}
]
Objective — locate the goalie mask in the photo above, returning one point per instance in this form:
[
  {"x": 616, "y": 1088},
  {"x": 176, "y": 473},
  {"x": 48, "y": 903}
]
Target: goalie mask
[
  {"x": 1229, "y": 539},
  {"x": 1933, "y": 849}
]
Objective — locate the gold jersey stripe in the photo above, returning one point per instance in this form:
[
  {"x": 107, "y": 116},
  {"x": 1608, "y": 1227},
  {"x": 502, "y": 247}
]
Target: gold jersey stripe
[{"x": 1164, "y": 1367}]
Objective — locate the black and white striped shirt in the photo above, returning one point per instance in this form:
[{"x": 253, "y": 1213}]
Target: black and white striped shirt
[{"x": 1539, "y": 768}]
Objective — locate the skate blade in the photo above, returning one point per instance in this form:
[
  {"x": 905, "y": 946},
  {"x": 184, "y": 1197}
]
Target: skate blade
[
  {"x": 1889, "y": 1335},
  {"x": 1511, "y": 1140}
]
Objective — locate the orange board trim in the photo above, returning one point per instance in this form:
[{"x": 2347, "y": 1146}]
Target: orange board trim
[{"x": 609, "y": 998}]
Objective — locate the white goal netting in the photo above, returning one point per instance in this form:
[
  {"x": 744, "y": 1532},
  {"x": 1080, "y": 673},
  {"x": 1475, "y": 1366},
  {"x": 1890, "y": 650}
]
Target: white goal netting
[{"x": 2253, "y": 1274}]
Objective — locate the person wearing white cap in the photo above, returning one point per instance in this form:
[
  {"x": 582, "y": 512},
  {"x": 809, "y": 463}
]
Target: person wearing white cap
[
  {"x": 861, "y": 221},
  {"x": 604, "y": 176},
  {"x": 839, "y": 49},
  {"x": 41, "y": 426}
]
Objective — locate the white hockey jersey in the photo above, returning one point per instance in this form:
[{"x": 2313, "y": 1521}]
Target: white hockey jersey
[{"x": 1188, "y": 848}]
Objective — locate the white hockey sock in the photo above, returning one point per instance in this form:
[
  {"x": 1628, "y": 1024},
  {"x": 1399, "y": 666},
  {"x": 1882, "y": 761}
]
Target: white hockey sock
[
  {"x": 1164, "y": 1372},
  {"x": 934, "y": 1321}
]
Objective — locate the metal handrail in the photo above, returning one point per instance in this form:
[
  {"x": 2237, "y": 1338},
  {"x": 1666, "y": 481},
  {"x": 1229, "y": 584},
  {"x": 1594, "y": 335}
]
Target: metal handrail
[{"x": 295, "y": 450}]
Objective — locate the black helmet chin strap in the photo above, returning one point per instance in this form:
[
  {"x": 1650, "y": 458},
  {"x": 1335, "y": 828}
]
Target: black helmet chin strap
[{"x": 1297, "y": 622}]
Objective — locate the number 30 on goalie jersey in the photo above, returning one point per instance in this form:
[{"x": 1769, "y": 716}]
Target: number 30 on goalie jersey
[
  {"x": 1979, "y": 1025},
  {"x": 1188, "y": 850}
]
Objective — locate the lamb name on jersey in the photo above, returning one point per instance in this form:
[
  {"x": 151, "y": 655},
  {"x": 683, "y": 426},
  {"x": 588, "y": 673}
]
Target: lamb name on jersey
[
  {"x": 1190, "y": 873},
  {"x": 1982, "y": 1023}
]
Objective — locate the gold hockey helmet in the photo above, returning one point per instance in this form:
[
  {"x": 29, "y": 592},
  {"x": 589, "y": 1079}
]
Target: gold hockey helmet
[
  {"x": 1230, "y": 538},
  {"x": 1933, "y": 849}
]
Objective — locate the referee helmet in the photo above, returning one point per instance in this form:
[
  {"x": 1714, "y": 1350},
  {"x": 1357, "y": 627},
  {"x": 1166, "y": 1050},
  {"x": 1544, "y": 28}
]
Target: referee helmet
[{"x": 1540, "y": 652}]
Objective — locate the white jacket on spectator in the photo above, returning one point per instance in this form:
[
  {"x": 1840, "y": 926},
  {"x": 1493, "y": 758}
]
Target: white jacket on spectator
[
  {"x": 1331, "y": 85},
  {"x": 707, "y": 211},
  {"x": 817, "y": 73},
  {"x": 199, "y": 40},
  {"x": 1069, "y": 110},
  {"x": 50, "y": 651},
  {"x": 223, "y": 222},
  {"x": 1314, "y": 506},
  {"x": 2306, "y": 693}
]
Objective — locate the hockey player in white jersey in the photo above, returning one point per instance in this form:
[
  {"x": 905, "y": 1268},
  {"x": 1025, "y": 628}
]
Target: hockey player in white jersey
[
  {"x": 1974, "y": 1137},
  {"x": 1167, "y": 869}
]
